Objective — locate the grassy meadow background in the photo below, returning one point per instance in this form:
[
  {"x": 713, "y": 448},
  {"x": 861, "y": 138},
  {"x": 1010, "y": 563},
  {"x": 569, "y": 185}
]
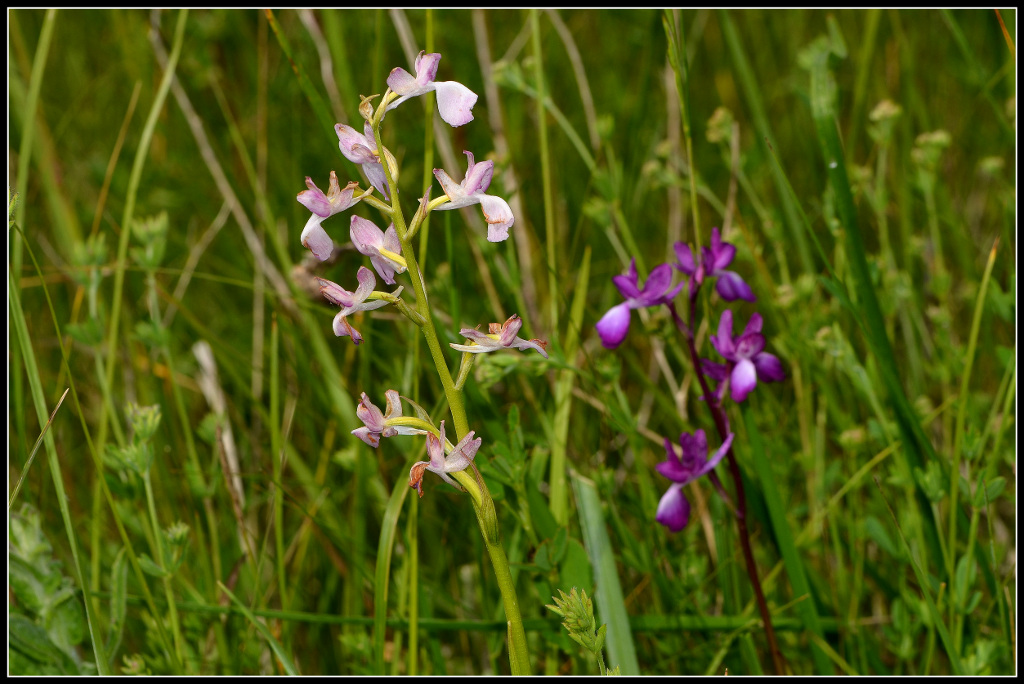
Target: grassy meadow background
[{"x": 872, "y": 561}]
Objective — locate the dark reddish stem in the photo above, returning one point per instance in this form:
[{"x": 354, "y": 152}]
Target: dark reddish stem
[{"x": 722, "y": 423}]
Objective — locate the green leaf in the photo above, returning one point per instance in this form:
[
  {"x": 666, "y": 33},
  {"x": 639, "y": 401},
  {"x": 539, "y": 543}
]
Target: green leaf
[
  {"x": 27, "y": 538},
  {"x": 611, "y": 608},
  {"x": 540, "y": 514},
  {"x": 575, "y": 570},
  {"x": 30, "y": 588},
  {"x": 878, "y": 534},
  {"x": 989, "y": 492},
  {"x": 64, "y": 619},
  {"x": 32, "y": 641},
  {"x": 150, "y": 567},
  {"x": 551, "y": 551},
  {"x": 88, "y": 333},
  {"x": 966, "y": 573}
]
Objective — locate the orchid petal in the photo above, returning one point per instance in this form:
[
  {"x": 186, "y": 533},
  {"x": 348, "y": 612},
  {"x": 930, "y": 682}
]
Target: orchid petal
[
  {"x": 673, "y": 509},
  {"x": 717, "y": 456},
  {"x": 627, "y": 284},
  {"x": 455, "y": 103},
  {"x": 743, "y": 380},
  {"x": 452, "y": 189},
  {"x": 723, "y": 341},
  {"x": 749, "y": 345},
  {"x": 342, "y": 328},
  {"x": 478, "y": 176},
  {"x": 732, "y": 287},
  {"x": 671, "y": 468},
  {"x": 769, "y": 368},
  {"x": 498, "y": 215},
  {"x": 371, "y": 438},
  {"x": 316, "y": 239},
  {"x": 614, "y": 326},
  {"x": 684, "y": 256},
  {"x": 314, "y": 199}
]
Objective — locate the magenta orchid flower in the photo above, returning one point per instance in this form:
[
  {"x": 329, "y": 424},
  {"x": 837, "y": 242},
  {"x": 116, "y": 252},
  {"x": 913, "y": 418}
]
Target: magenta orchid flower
[
  {"x": 454, "y": 100},
  {"x": 323, "y": 206},
  {"x": 746, "y": 360},
  {"x": 497, "y": 213},
  {"x": 352, "y": 302},
  {"x": 361, "y": 148},
  {"x": 712, "y": 264},
  {"x": 383, "y": 247},
  {"x": 614, "y": 325},
  {"x": 499, "y": 336},
  {"x": 376, "y": 424},
  {"x": 458, "y": 458},
  {"x": 674, "y": 509}
]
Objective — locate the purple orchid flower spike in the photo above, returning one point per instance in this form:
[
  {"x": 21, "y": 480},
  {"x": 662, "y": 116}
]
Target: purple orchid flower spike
[
  {"x": 746, "y": 360},
  {"x": 375, "y": 423},
  {"x": 323, "y": 206},
  {"x": 454, "y": 100},
  {"x": 499, "y": 336},
  {"x": 497, "y": 213},
  {"x": 457, "y": 459},
  {"x": 614, "y": 325},
  {"x": 352, "y": 302},
  {"x": 383, "y": 247},
  {"x": 674, "y": 509},
  {"x": 361, "y": 148},
  {"x": 714, "y": 259}
]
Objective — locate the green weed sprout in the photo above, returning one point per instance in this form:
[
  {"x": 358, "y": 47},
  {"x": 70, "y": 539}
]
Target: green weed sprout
[{"x": 577, "y": 612}]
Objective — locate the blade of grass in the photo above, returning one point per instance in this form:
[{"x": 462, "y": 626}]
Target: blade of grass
[
  {"x": 146, "y": 138},
  {"x": 275, "y": 646},
  {"x": 98, "y": 465},
  {"x": 608, "y": 597},
  {"x": 277, "y": 458},
  {"x": 680, "y": 67},
  {"x": 32, "y": 455},
  {"x": 25, "y": 148},
  {"x": 922, "y": 580},
  {"x": 551, "y": 237},
  {"x": 558, "y": 492},
  {"x": 320, "y": 108},
  {"x": 382, "y": 575},
  {"x": 17, "y": 317},
  {"x": 784, "y": 537},
  {"x": 961, "y": 415},
  {"x": 748, "y": 81},
  {"x": 918, "y": 448}
]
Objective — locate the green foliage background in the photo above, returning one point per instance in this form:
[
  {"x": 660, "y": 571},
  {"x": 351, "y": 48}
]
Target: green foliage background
[{"x": 856, "y": 508}]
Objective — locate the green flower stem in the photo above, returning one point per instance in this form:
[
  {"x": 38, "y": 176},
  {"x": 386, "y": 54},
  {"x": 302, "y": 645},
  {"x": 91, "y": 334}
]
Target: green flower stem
[
  {"x": 483, "y": 504},
  {"x": 454, "y": 396}
]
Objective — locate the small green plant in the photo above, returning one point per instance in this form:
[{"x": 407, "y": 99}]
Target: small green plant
[
  {"x": 46, "y": 622},
  {"x": 577, "y": 612}
]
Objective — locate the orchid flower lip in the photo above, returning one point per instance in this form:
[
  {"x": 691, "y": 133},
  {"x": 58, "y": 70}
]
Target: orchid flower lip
[
  {"x": 496, "y": 210},
  {"x": 501, "y": 336},
  {"x": 454, "y": 101},
  {"x": 458, "y": 458},
  {"x": 383, "y": 247},
  {"x": 746, "y": 360},
  {"x": 674, "y": 509},
  {"x": 323, "y": 206}
]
